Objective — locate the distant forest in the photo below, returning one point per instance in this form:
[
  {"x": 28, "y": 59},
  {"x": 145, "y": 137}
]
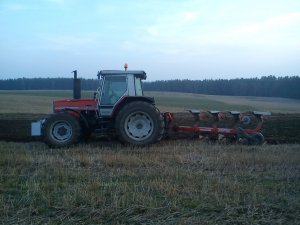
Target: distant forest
[{"x": 269, "y": 86}]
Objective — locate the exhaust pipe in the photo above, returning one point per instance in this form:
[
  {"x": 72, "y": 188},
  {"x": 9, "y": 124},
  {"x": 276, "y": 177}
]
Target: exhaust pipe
[{"x": 76, "y": 86}]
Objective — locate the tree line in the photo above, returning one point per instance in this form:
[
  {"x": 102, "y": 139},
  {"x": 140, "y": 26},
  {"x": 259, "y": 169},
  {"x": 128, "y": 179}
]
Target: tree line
[
  {"x": 268, "y": 86},
  {"x": 46, "y": 84}
]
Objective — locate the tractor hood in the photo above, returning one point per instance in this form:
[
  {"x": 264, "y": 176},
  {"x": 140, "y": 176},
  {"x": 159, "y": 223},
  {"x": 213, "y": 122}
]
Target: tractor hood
[{"x": 88, "y": 104}]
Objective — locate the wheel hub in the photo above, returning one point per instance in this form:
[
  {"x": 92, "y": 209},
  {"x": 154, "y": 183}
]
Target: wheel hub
[
  {"x": 61, "y": 131},
  {"x": 139, "y": 126}
]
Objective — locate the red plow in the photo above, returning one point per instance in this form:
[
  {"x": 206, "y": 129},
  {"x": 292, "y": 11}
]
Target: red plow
[{"x": 227, "y": 126}]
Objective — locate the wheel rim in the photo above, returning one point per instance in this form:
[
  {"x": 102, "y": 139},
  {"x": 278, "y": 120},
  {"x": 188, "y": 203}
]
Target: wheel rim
[
  {"x": 138, "y": 126},
  {"x": 61, "y": 131}
]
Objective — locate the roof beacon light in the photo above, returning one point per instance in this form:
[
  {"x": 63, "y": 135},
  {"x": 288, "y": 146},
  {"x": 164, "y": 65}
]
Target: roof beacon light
[{"x": 125, "y": 66}]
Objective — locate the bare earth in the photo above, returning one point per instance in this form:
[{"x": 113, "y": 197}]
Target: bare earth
[{"x": 280, "y": 128}]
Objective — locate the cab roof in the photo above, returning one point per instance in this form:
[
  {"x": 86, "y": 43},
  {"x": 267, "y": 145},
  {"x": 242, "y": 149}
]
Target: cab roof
[{"x": 138, "y": 73}]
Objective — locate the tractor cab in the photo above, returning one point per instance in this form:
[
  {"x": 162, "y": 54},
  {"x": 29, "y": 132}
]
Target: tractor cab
[{"x": 117, "y": 85}]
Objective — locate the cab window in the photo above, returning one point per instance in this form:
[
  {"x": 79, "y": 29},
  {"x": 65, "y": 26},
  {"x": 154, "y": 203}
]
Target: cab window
[
  {"x": 138, "y": 86},
  {"x": 114, "y": 88}
]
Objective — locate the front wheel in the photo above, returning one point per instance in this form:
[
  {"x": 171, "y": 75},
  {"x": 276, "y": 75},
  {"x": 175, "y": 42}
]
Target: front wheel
[
  {"x": 61, "y": 130},
  {"x": 139, "y": 123}
]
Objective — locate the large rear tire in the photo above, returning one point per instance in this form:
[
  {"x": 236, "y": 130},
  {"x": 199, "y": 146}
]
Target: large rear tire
[
  {"x": 139, "y": 123},
  {"x": 61, "y": 130}
]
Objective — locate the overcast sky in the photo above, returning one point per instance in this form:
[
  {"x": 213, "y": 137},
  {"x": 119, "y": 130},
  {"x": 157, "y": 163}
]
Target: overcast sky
[{"x": 169, "y": 39}]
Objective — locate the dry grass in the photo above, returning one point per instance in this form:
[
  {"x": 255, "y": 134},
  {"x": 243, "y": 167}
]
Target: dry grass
[{"x": 187, "y": 182}]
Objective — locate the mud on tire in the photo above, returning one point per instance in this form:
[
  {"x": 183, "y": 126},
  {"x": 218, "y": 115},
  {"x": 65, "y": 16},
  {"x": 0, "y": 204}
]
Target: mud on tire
[
  {"x": 61, "y": 130},
  {"x": 139, "y": 123}
]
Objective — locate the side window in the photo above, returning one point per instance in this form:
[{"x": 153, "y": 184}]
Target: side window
[
  {"x": 138, "y": 86},
  {"x": 113, "y": 89}
]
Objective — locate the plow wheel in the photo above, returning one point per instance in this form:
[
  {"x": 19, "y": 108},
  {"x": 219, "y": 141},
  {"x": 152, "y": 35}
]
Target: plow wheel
[
  {"x": 139, "y": 123},
  {"x": 258, "y": 138},
  {"x": 255, "y": 138},
  {"x": 61, "y": 130}
]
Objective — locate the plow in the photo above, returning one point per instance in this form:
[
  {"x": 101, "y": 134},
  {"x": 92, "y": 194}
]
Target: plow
[
  {"x": 228, "y": 126},
  {"x": 120, "y": 109}
]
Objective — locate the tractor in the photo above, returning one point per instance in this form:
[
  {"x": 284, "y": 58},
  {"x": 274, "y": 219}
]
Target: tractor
[{"x": 119, "y": 108}]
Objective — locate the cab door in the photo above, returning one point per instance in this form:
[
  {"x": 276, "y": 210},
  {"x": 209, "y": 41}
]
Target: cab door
[{"x": 113, "y": 89}]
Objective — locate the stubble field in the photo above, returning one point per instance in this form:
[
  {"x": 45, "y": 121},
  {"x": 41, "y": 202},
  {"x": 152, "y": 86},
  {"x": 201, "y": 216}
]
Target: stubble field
[{"x": 171, "y": 182}]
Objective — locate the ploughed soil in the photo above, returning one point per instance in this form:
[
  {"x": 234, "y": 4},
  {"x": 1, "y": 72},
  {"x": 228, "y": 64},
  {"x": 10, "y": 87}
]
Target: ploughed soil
[
  {"x": 17, "y": 127},
  {"x": 279, "y": 128}
]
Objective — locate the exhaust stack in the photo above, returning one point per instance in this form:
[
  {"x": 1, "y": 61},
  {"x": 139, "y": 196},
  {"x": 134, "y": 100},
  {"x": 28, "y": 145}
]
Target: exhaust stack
[{"x": 76, "y": 86}]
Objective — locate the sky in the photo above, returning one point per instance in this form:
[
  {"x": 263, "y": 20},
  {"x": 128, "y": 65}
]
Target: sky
[{"x": 169, "y": 39}]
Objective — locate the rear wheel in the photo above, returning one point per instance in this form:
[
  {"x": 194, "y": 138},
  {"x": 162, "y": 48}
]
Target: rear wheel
[
  {"x": 61, "y": 130},
  {"x": 139, "y": 123}
]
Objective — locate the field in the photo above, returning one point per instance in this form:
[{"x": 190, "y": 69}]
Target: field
[
  {"x": 171, "y": 182},
  {"x": 40, "y": 102}
]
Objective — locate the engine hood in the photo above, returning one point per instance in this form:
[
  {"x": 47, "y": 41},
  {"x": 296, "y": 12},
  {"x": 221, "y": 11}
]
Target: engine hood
[{"x": 88, "y": 104}]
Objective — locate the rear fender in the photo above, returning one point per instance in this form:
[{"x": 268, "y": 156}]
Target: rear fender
[{"x": 127, "y": 99}]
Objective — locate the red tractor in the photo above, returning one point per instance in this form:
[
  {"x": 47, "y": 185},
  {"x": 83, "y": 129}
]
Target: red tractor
[{"x": 119, "y": 108}]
